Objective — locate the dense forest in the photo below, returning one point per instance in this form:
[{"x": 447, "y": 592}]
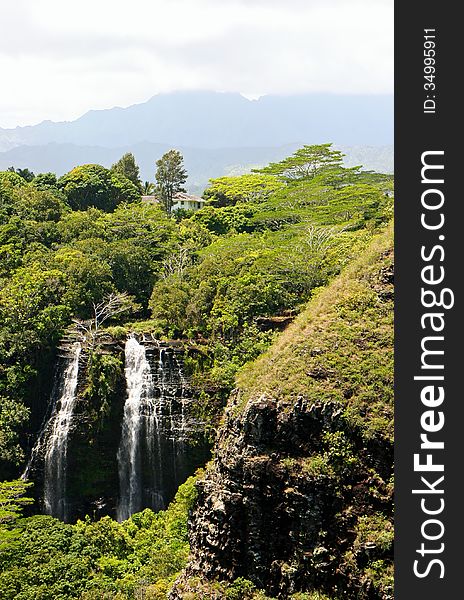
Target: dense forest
[{"x": 269, "y": 311}]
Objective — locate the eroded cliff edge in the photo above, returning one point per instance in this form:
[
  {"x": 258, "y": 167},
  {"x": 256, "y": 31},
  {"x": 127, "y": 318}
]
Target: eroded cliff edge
[{"x": 299, "y": 495}]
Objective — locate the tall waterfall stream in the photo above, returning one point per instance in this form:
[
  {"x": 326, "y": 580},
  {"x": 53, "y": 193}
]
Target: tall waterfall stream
[
  {"x": 139, "y": 384},
  {"x": 53, "y": 439},
  {"x": 151, "y": 454}
]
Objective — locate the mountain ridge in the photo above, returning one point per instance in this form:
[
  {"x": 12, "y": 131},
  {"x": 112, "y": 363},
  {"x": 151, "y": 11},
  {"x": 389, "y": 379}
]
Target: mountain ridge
[{"x": 211, "y": 119}]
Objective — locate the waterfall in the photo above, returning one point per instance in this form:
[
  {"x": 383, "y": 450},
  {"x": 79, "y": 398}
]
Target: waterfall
[
  {"x": 138, "y": 378},
  {"x": 146, "y": 446},
  {"x": 55, "y": 439},
  {"x": 164, "y": 430},
  {"x": 153, "y": 456}
]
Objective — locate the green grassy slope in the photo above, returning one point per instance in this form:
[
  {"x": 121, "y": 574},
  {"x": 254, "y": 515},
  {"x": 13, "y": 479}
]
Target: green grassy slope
[{"x": 340, "y": 347}]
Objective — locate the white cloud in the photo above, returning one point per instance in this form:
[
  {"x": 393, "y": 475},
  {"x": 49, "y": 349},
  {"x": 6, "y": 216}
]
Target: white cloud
[{"x": 59, "y": 59}]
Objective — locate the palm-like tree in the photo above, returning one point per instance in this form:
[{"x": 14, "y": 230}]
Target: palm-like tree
[{"x": 148, "y": 188}]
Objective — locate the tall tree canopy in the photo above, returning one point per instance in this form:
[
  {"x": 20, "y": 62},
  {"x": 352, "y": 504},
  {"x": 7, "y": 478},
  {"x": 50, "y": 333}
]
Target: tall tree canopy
[
  {"x": 26, "y": 174},
  {"x": 127, "y": 166},
  {"x": 45, "y": 181},
  {"x": 93, "y": 185},
  {"x": 228, "y": 191},
  {"x": 170, "y": 177},
  {"x": 11, "y": 179},
  {"x": 12, "y": 499},
  {"x": 306, "y": 163}
]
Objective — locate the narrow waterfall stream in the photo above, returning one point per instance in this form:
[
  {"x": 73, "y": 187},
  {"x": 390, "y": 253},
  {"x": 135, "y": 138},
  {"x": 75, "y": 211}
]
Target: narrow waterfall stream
[
  {"x": 139, "y": 384},
  {"x": 53, "y": 440}
]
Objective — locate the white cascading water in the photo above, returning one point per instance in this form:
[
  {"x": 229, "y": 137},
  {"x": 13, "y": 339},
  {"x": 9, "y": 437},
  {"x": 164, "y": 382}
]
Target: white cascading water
[
  {"x": 55, "y": 439},
  {"x": 165, "y": 431},
  {"x": 153, "y": 431},
  {"x": 138, "y": 381},
  {"x": 154, "y": 437}
]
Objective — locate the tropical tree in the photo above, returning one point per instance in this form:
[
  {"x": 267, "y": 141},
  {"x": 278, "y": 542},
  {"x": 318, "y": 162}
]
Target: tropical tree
[
  {"x": 93, "y": 185},
  {"x": 170, "y": 177},
  {"x": 45, "y": 181},
  {"x": 11, "y": 179},
  {"x": 26, "y": 174},
  {"x": 148, "y": 188},
  {"x": 127, "y": 166},
  {"x": 228, "y": 191},
  {"x": 13, "y": 415},
  {"x": 12, "y": 502},
  {"x": 306, "y": 163},
  {"x": 31, "y": 312},
  {"x": 88, "y": 276},
  {"x": 12, "y": 499},
  {"x": 32, "y": 203}
]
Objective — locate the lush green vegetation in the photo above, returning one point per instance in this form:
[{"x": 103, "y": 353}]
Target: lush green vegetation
[
  {"x": 258, "y": 249},
  {"x": 42, "y": 558},
  {"x": 219, "y": 279},
  {"x": 239, "y": 589},
  {"x": 351, "y": 328}
]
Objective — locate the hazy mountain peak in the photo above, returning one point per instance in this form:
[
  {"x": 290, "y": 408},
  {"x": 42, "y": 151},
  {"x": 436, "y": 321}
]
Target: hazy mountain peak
[{"x": 222, "y": 119}]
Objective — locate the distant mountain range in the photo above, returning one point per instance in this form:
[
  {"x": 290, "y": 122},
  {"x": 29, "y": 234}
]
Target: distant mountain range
[{"x": 218, "y": 133}]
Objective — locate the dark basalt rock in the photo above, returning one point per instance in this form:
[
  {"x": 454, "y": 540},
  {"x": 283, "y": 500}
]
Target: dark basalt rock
[{"x": 260, "y": 516}]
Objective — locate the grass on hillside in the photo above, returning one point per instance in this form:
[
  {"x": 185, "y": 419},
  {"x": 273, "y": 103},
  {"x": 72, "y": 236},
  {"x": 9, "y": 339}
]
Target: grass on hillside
[{"x": 340, "y": 348}]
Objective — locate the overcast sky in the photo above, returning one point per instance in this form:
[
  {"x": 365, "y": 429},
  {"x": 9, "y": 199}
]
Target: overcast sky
[{"x": 59, "y": 59}]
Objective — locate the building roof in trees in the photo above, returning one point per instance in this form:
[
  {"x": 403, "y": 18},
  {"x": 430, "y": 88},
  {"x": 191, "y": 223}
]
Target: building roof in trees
[
  {"x": 184, "y": 196},
  {"x": 150, "y": 198},
  {"x": 176, "y": 198}
]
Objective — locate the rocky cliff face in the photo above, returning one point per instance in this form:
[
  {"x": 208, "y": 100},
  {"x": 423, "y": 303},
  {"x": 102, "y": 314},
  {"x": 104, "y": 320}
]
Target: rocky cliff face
[{"x": 299, "y": 497}]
